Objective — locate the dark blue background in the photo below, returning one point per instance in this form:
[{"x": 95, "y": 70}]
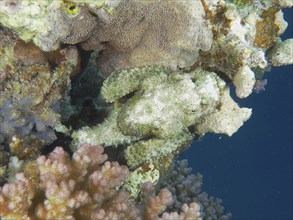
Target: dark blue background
[{"x": 252, "y": 170}]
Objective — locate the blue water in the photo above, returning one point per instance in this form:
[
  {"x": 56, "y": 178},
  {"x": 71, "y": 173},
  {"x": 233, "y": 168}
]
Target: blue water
[{"x": 252, "y": 170}]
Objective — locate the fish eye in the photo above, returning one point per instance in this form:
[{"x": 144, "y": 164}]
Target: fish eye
[{"x": 72, "y": 9}]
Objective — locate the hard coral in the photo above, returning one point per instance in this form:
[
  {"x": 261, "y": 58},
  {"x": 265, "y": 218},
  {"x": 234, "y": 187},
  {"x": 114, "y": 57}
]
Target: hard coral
[
  {"x": 186, "y": 188},
  {"x": 243, "y": 33},
  {"x": 140, "y": 33},
  {"x": 85, "y": 187}
]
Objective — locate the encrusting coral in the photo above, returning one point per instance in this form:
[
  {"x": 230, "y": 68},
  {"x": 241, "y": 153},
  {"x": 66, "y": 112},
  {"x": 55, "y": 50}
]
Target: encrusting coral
[{"x": 85, "y": 187}]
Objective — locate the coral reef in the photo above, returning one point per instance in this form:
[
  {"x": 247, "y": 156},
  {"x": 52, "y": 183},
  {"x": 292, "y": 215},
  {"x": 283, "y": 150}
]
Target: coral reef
[
  {"x": 85, "y": 187},
  {"x": 140, "y": 33},
  {"x": 32, "y": 89},
  {"x": 186, "y": 188},
  {"x": 162, "y": 107},
  {"x": 243, "y": 32},
  {"x": 141, "y": 78},
  {"x": 108, "y": 27},
  {"x": 149, "y": 102},
  {"x": 47, "y": 23}
]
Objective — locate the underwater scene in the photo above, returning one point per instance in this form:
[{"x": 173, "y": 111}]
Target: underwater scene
[{"x": 146, "y": 109}]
